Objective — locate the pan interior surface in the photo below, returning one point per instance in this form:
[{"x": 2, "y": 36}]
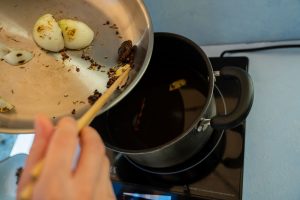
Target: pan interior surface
[{"x": 58, "y": 87}]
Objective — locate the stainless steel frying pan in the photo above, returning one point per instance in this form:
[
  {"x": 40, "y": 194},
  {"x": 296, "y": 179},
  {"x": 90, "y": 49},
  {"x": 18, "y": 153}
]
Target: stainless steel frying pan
[{"x": 49, "y": 85}]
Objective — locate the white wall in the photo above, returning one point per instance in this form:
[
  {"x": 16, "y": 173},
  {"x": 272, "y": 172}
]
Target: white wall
[{"x": 227, "y": 21}]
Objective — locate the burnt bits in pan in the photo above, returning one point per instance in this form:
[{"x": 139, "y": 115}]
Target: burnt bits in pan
[
  {"x": 94, "y": 97},
  {"x": 111, "y": 81},
  {"x": 112, "y": 77},
  {"x": 127, "y": 52}
]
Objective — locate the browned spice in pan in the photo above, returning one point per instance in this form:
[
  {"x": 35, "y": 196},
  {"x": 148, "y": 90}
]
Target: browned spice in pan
[
  {"x": 111, "y": 81},
  {"x": 126, "y": 52},
  {"x": 94, "y": 65},
  {"x": 78, "y": 102},
  {"x": 111, "y": 75},
  {"x": 64, "y": 55},
  {"x": 85, "y": 57},
  {"x": 111, "y": 72},
  {"x": 94, "y": 97},
  {"x": 114, "y": 26},
  {"x": 106, "y": 23}
]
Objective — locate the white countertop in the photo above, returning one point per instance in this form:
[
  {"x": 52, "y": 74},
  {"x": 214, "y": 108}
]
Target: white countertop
[
  {"x": 272, "y": 151},
  {"x": 272, "y": 148}
]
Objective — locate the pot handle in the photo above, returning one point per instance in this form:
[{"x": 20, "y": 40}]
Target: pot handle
[{"x": 242, "y": 110}]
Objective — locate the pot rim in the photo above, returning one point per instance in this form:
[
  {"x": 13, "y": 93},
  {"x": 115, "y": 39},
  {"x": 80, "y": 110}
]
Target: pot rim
[{"x": 211, "y": 84}]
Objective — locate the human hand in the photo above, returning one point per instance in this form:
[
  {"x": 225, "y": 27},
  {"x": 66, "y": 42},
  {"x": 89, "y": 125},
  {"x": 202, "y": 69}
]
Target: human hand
[{"x": 59, "y": 179}]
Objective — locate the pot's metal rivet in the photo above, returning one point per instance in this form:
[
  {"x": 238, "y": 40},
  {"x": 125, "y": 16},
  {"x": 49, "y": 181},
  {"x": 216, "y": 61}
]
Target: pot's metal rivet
[
  {"x": 203, "y": 124},
  {"x": 217, "y": 73}
]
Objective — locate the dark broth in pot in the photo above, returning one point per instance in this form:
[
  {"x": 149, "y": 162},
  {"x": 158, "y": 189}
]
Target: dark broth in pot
[
  {"x": 155, "y": 112},
  {"x": 152, "y": 114}
]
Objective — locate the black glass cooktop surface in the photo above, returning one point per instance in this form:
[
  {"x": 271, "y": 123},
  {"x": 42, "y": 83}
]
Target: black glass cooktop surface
[{"x": 216, "y": 172}]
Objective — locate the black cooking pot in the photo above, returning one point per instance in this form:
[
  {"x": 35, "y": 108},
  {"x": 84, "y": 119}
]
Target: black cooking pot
[{"x": 171, "y": 113}]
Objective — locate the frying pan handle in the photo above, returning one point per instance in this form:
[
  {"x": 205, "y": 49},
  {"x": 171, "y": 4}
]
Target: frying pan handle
[{"x": 242, "y": 110}]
